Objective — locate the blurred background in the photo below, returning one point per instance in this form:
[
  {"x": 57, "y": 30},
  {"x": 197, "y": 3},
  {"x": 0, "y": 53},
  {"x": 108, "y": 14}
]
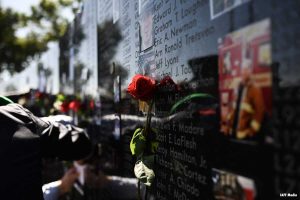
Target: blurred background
[{"x": 49, "y": 64}]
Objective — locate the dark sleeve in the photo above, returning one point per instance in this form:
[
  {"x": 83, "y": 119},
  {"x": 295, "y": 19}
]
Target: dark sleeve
[
  {"x": 65, "y": 142},
  {"x": 56, "y": 140}
]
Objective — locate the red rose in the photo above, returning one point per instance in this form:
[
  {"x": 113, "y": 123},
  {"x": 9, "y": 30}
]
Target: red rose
[
  {"x": 168, "y": 81},
  {"x": 64, "y": 107},
  {"x": 92, "y": 104},
  {"x": 141, "y": 87},
  {"x": 74, "y": 105}
]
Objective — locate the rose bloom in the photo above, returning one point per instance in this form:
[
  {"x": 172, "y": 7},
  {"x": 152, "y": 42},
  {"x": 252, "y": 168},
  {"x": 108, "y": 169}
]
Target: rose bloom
[{"x": 141, "y": 87}]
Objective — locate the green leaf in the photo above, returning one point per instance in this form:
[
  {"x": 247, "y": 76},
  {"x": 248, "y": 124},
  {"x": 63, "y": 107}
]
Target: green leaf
[
  {"x": 154, "y": 146},
  {"x": 138, "y": 142},
  {"x": 187, "y": 99}
]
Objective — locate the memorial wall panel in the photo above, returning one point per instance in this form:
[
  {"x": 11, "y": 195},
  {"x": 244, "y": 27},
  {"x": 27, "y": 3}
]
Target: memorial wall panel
[{"x": 228, "y": 126}]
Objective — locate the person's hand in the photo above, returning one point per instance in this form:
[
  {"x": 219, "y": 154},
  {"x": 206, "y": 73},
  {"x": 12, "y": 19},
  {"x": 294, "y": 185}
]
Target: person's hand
[{"x": 68, "y": 180}]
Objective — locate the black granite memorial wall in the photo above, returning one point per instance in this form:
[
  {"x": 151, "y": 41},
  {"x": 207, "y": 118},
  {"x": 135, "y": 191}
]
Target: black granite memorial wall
[{"x": 229, "y": 127}]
